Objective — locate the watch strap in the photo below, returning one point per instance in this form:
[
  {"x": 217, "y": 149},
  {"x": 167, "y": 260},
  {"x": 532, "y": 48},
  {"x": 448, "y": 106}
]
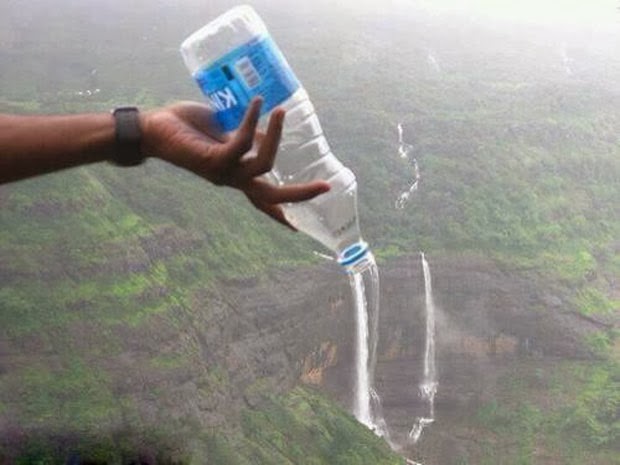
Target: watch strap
[{"x": 128, "y": 136}]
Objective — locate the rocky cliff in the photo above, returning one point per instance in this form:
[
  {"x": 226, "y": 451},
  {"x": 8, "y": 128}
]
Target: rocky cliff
[
  {"x": 500, "y": 335},
  {"x": 227, "y": 348}
]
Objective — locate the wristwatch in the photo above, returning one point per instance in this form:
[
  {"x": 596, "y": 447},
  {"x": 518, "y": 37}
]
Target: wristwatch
[{"x": 128, "y": 137}]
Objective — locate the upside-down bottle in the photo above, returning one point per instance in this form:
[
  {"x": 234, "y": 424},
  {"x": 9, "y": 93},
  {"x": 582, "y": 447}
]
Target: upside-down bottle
[{"x": 233, "y": 59}]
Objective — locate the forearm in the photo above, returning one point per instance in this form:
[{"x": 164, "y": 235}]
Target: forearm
[
  {"x": 184, "y": 134},
  {"x": 32, "y": 145}
]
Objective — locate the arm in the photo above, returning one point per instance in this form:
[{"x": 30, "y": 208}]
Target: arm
[
  {"x": 32, "y": 145},
  {"x": 183, "y": 134}
]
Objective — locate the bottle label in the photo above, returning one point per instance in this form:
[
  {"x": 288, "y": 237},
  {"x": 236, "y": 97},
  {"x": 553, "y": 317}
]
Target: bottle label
[{"x": 256, "y": 68}]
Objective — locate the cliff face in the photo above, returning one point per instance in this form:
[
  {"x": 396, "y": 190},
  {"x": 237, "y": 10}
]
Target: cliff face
[
  {"x": 299, "y": 326},
  {"x": 499, "y": 337},
  {"x": 495, "y": 328},
  {"x": 198, "y": 364}
]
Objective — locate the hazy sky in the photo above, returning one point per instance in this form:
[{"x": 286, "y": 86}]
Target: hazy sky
[
  {"x": 558, "y": 12},
  {"x": 569, "y": 12}
]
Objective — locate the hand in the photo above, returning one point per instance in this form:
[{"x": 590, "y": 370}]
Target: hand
[{"x": 185, "y": 134}]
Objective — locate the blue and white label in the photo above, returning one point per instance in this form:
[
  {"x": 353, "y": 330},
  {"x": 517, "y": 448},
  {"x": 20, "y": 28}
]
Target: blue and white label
[{"x": 256, "y": 68}]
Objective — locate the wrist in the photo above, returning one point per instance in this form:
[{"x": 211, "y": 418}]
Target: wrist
[
  {"x": 156, "y": 135},
  {"x": 146, "y": 144}
]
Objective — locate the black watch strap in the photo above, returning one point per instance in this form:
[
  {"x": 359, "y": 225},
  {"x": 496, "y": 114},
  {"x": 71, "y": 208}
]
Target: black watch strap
[{"x": 128, "y": 136}]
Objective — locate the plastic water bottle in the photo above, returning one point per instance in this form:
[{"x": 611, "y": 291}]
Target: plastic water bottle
[{"x": 233, "y": 59}]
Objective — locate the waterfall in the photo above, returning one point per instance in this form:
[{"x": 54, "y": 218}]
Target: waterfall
[
  {"x": 567, "y": 62},
  {"x": 429, "y": 384},
  {"x": 432, "y": 62},
  {"x": 403, "y": 152},
  {"x": 367, "y": 402},
  {"x": 361, "y": 406}
]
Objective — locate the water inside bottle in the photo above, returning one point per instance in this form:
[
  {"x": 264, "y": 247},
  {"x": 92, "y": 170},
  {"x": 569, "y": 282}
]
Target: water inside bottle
[{"x": 330, "y": 218}]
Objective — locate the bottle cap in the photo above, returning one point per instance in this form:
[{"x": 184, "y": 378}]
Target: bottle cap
[{"x": 353, "y": 254}]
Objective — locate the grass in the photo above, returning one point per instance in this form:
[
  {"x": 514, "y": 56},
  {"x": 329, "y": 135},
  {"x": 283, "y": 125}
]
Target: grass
[
  {"x": 75, "y": 394},
  {"x": 302, "y": 427},
  {"x": 574, "y": 419},
  {"x": 299, "y": 427},
  {"x": 591, "y": 301}
]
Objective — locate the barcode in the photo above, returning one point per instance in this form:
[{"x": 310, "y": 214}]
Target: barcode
[{"x": 247, "y": 71}]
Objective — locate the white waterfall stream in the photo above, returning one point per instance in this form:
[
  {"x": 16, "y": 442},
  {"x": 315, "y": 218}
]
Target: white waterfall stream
[
  {"x": 403, "y": 152},
  {"x": 367, "y": 402},
  {"x": 429, "y": 384},
  {"x": 361, "y": 406}
]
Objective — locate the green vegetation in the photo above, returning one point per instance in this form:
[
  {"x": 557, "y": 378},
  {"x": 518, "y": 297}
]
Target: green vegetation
[
  {"x": 77, "y": 393},
  {"x": 300, "y": 427},
  {"x": 592, "y": 301},
  {"x": 584, "y": 430}
]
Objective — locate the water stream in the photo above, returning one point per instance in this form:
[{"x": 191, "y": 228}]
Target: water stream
[
  {"x": 403, "y": 152},
  {"x": 429, "y": 384},
  {"x": 361, "y": 406},
  {"x": 432, "y": 61},
  {"x": 367, "y": 402}
]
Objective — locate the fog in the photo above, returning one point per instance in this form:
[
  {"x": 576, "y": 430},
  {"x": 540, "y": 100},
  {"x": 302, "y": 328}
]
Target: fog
[
  {"x": 597, "y": 13},
  {"x": 84, "y": 32}
]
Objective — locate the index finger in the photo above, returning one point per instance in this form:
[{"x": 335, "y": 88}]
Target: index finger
[
  {"x": 242, "y": 141},
  {"x": 268, "y": 145}
]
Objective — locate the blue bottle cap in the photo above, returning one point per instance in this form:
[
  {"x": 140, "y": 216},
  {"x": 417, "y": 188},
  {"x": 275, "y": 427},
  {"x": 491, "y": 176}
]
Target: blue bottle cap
[{"x": 353, "y": 254}]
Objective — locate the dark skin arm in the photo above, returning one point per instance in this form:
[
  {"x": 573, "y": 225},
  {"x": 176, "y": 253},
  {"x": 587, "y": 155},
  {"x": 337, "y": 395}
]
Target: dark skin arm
[
  {"x": 33, "y": 145},
  {"x": 183, "y": 134}
]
